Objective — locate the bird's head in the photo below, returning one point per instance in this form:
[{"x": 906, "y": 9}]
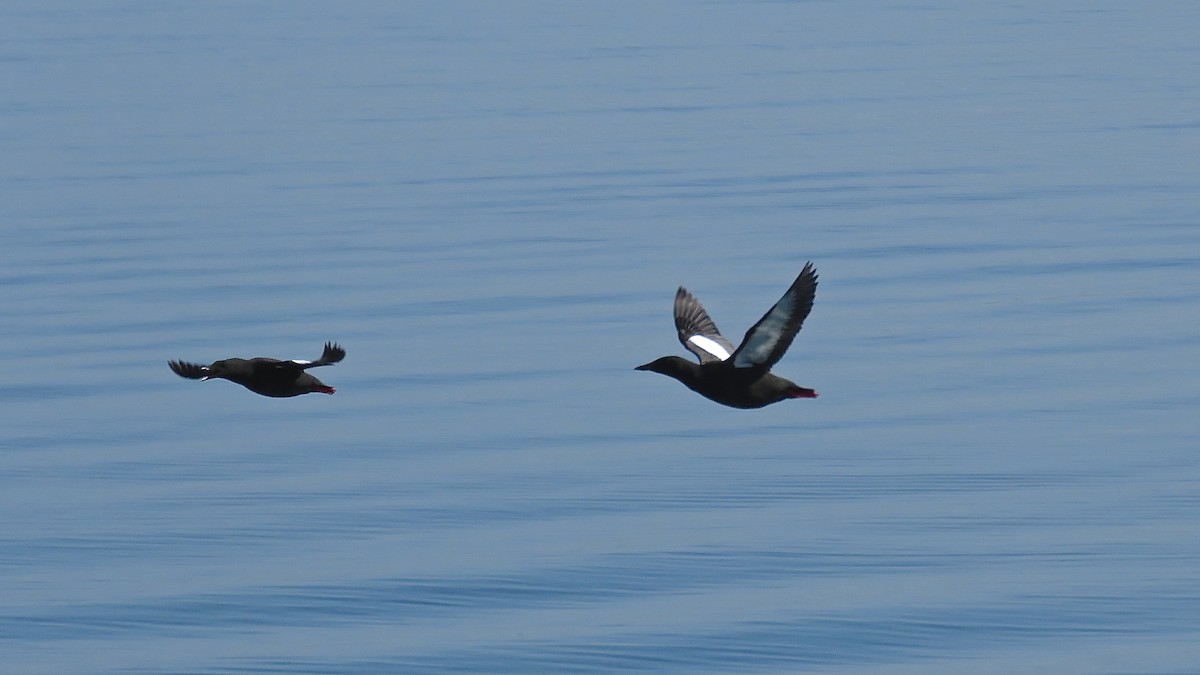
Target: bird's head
[{"x": 671, "y": 366}]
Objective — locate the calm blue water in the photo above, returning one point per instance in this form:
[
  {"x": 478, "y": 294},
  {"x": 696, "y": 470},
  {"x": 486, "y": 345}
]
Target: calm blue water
[{"x": 490, "y": 207}]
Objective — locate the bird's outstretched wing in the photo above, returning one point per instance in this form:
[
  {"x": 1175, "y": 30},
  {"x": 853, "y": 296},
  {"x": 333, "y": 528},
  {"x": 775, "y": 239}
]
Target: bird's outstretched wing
[
  {"x": 332, "y": 354},
  {"x": 767, "y": 340},
  {"x": 192, "y": 371},
  {"x": 697, "y": 331}
]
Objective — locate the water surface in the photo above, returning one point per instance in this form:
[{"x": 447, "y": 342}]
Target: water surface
[{"x": 490, "y": 207}]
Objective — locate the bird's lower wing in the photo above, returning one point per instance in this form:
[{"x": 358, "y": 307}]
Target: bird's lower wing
[
  {"x": 697, "y": 331},
  {"x": 192, "y": 371}
]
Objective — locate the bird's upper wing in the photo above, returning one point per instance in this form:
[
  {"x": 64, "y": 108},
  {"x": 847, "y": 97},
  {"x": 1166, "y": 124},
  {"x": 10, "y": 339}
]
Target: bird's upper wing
[
  {"x": 192, "y": 371},
  {"x": 697, "y": 331},
  {"x": 767, "y": 340},
  {"x": 332, "y": 354}
]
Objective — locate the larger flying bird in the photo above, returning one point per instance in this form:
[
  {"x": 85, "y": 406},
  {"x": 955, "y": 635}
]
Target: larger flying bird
[
  {"x": 740, "y": 378},
  {"x": 266, "y": 376}
]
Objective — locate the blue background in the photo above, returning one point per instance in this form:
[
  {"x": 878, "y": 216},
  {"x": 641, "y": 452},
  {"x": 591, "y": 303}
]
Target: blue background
[{"x": 490, "y": 205}]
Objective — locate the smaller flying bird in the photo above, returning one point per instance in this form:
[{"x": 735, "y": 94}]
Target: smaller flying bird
[
  {"x": 266, "y": 376},
  {"x": 740, "y": 378}
]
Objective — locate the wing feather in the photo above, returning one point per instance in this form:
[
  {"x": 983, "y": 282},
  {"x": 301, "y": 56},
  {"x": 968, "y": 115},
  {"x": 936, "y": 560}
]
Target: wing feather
[
  {"x": 767, "y": 341},
  {"x": 332, "y": 354},
  {"x": 697, "y": 331},
  {"x": 192, "y": 371}
]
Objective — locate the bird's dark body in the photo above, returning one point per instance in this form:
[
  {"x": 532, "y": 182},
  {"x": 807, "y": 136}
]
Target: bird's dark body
[
  {"x": 269, "y": 377},
  {"x": 722, "y": 383}
]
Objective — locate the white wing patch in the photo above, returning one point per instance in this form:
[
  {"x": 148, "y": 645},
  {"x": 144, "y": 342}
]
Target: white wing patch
[
  {"x": 301, "y": 362},
  {"x": 711, "y": 346},
  {"x": 766, "y": 334}
]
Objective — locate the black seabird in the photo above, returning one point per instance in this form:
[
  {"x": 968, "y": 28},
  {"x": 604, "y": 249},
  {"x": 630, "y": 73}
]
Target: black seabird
[
  {"x": 741, "y": 377},
  {"x": 266, "y": 376}
]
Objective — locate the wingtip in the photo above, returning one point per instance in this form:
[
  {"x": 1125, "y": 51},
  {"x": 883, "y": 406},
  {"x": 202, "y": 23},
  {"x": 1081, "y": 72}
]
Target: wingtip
[
  {"x": 188, "y": 370},
  {"x": 333, "y": 352},
  {"x": 810, "y": 271}
]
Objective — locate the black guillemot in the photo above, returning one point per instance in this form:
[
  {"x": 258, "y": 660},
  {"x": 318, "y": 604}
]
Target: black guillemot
[
  {"x": 740, "y": 378},
  {"x": 266, "y": 376}
]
